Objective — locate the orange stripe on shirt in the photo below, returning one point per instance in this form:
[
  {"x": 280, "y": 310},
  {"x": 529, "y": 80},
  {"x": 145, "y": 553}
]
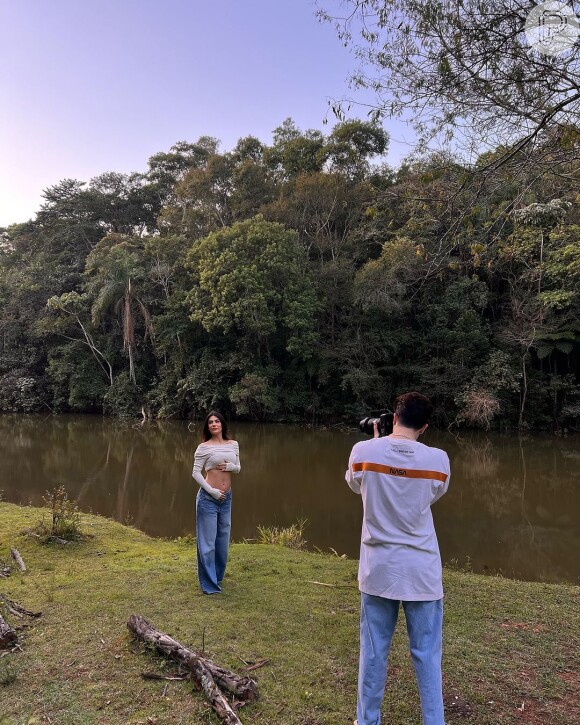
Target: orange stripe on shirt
[{"x": 402, "y": 472}]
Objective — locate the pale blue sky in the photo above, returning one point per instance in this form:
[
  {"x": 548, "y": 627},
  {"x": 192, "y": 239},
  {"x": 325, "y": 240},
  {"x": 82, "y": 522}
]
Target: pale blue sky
[{"x": 88, "y": 86}]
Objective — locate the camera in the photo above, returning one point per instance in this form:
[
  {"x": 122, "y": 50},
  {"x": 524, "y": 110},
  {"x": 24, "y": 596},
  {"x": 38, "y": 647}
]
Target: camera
[{"x": 384, "y": 422}]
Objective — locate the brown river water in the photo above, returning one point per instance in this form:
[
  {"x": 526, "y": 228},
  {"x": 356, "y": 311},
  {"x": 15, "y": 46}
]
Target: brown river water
[{"x": 513, "y": 505}]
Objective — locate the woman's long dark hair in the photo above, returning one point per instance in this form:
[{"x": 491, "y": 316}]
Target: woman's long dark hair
[{"x": 206, "y": 435}]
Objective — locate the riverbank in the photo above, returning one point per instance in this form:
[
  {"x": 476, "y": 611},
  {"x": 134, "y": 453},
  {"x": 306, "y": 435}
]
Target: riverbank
[{"x": 510, "y": 646}]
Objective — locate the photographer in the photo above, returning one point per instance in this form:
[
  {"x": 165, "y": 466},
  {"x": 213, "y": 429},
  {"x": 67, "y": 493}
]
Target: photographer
[{"x": 398, "y": 479}]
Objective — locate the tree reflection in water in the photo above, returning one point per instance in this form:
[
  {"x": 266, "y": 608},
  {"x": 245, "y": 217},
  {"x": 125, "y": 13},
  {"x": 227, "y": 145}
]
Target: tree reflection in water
[
  {"x": 518, "y": 495},
  {"x": 512, "y": 506}
]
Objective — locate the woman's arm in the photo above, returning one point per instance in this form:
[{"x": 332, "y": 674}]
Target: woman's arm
[{"x": 198, "y": 462}]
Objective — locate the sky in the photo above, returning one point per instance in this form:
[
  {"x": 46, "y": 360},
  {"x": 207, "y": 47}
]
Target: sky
[{"x": 88, "y": 86}]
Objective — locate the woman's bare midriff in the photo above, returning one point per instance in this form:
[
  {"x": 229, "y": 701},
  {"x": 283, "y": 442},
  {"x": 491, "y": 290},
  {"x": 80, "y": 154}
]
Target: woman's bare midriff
[{"x": 221, "y": 480}]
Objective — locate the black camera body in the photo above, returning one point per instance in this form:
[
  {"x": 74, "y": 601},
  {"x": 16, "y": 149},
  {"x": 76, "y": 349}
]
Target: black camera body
[{"x": 384, "y": 423}]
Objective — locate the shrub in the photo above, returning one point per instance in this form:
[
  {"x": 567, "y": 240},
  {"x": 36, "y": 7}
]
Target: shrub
[
  {"x": 19, "y": 392},
  {"x": 292, "y": 536},
  {"x": 65, "y": 518},
  {"x": 123, "y": 398}
]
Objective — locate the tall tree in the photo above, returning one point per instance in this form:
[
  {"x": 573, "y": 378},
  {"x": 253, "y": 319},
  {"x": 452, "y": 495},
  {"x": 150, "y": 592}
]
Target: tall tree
[
  {"x": 114, "y": 269},
  {"x": 464, "y": 70},
  {"x": 252, "y": 278}
]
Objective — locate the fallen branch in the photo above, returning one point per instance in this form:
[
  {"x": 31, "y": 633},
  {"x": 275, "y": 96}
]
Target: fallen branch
[
  {"x": 15, "y": 608},
  {"x": 334, "y": 586},
  {"x": 255, "y": 665},
  {"x": 48, "y": 538},
  {"x": 242, "y": 687},
  {"x": 171, "y": 678},
  {"x": 57, "y": 540},
  {"x": 15, "y": 554},
  {"x": 8, "y": 637},
  {"x": 208, "y": 675}
]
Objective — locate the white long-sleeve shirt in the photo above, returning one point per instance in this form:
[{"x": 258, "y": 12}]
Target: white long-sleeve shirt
[
  {"x": 210, "y": 455},
  {"x": 399, "y": 480}
]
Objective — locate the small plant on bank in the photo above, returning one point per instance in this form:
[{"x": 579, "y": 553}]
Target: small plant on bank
[
  {"x": 292, "y": 536},
  {"x": 65, "y": 524},
  {"x": 464, "y": 568}
]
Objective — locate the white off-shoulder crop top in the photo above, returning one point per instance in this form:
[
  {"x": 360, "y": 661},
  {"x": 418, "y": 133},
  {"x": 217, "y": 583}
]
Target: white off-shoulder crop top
[{"x": 210, "y": 455}]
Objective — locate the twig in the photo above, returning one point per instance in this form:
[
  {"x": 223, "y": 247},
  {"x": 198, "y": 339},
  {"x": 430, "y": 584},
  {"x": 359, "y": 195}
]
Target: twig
[
  {"x": 334, "y": 586},
  {"x": 155, "y": 676},
  {"x": 255, "y": 666}
]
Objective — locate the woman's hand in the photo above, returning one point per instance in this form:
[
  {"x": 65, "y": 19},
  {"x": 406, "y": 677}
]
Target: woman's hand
[
  {"x": 376, "y": 430},
  {"x": 218, "y": 494},
  {"x": 222, "y": 466}
]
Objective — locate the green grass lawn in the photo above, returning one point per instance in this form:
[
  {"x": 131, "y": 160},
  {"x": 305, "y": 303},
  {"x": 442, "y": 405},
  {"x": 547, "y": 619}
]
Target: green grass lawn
[{"x": 508, "y": 645}]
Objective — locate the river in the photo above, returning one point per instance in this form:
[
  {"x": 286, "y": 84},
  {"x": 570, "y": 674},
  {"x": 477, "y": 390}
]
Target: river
[{"x": 512, "y": 507}]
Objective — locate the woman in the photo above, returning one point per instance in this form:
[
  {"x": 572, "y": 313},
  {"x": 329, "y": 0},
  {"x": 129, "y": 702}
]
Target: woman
[{"x": 220, "y": 456}]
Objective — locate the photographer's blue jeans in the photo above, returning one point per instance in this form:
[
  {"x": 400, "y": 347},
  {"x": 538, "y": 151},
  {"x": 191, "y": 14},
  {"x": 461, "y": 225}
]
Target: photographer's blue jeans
[
  {"x": 377, "y": 624},
  {"x": 212, "y": 523}
]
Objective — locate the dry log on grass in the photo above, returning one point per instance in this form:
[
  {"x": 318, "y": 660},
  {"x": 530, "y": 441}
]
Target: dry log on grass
[
  {"x": 208, "y": 675},
  {"x": 244, "y": 688},
  {"x": 15, "y": 608},
  {"x": 8, "y": 637},
  {"x": 15, "y": 554}
]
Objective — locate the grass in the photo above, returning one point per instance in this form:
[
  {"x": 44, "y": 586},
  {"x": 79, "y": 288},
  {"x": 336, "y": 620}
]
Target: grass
[{"x": 506, "y": 643}]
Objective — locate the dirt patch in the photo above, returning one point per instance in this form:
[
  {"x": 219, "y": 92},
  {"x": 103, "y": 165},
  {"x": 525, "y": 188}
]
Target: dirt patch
[
  {"x": 570, "y": 703},
  {"x": 522, "y": 626},
  {"x": 528, "y": 676},
  {"x": 564, "y": 709},
  {"x": 532, "y": 711},
  {"x": 458, "y": 706},
  {"x": 572, "y": 679}
]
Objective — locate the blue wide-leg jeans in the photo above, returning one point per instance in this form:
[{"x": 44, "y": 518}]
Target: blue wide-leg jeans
[
  {"x": 213, "y": 521},
  {"x": 424, "y": 626}
]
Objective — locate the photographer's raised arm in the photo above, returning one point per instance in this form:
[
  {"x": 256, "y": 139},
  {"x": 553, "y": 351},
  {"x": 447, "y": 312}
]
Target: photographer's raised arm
[
  {"x": 440, "y": 487},
  {"x": 352, "y": 477}
]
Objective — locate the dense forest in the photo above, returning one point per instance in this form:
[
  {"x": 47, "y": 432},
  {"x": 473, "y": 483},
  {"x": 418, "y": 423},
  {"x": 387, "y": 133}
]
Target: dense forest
[{"x": 299, "y": 281}]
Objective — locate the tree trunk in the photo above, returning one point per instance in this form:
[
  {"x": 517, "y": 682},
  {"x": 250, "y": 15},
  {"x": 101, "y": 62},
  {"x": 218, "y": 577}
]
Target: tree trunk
[
  {"x": 524, "y": 392},
  {"x": 209, "y": 675}
]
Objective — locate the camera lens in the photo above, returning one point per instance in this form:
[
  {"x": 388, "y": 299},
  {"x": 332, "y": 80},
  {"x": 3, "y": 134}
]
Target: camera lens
[{"x": 367, "y": 425}]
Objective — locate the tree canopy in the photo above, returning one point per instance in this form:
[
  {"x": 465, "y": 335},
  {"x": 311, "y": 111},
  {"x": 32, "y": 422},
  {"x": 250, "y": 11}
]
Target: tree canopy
[
  {"x": 302, "y": 280},
  {"x": 465, "y": 71}
]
